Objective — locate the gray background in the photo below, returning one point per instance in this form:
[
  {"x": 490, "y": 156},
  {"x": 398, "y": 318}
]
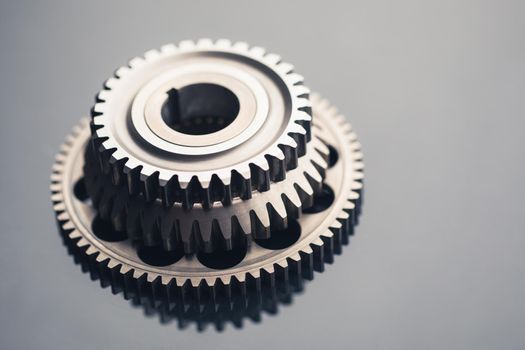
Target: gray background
[{"x": 435, "y": 91}]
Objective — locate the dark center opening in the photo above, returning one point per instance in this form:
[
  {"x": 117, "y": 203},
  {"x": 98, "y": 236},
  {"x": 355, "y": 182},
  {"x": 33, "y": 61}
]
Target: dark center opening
[{"x": 200, "y": 109}]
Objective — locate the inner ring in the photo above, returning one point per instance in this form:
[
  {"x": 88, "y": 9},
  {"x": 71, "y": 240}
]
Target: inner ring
[{"x": 147, "y": 118}]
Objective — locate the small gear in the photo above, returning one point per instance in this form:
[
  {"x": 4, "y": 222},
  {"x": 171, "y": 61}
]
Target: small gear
[
  {"x": 201, "y": 122},
  {"x": 305, "y": 246},
  {"x": 202, "y": 228}
]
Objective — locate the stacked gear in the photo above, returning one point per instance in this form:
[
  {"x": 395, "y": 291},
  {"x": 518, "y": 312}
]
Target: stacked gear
[{"x": 207, "y": 171}]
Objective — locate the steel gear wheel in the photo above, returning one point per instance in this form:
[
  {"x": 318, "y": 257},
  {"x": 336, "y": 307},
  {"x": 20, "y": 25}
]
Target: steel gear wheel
[
  {"x": 304, "y": 247},
  {"x": 153, "y": 132},
  {"x": 206, "y": 229}
]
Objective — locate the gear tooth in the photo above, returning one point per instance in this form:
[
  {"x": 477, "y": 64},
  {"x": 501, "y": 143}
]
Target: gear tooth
[
  {"x": 255, "y": 274},
  {"x": 293, "y": 203},
  {"x": 241, "y": 46},
  {"x": 302, "y": 91},
  {"x": 305, "y": 192},
  {"x": 223, "y": 229},
  {"x": 272, "y": 59},
  {"x": 186, "y": 230},
  {"x": 112, "y": 82},
  {"x": 260, "y": 223},
  {"x": 289, "y": 147},
  {"x": 242, "y": 223},
  {"x": 278, "y": 215},
  {"x": 195, "y": 282},
  {"x": 168, "y": 49},
  {"x": 358, "y": 176},
  {"x": 223, "y": 43},
  {"x": 137, "y": 274},
  {"x": 295, "y": 78},
  {"x": 260, "y": 175},
  {"x": 59, "y": 207},
  {"x": 150, "y": 181},
  {"x": 75, "y": 234},
  {"x": 307, "y": 262},
  {"x": 91, "y": 250},
  {"x": 298, "y": 133},
  {"x": 166, "y": 280},
  {"x": 226, "y": 280},
  {"x": 136, "y": 62},
  {"x": 205, "y": 43},
  {"x": 258, "y": 51},
  {"x": 277, "y": 165},
  {"x": 121, "y": 72},
  {"x": 242, "y": 184},
  {"x": 68, "y": 225},
  {"x": 318, "y": 254},
  {"x": 287, "y": 68},
  {"x": 103, "y": 95},
  {"x": 315, "y": 179},
  {"x": 112, "y": 264},
  {"x": 151, "y": 55},
  {"x": 203, "y": 229},
  {"x": 186, "y": 45},
  {"x": 63, "y": 216},
  {"x": 358, "y": 166},
  {"x": 333, "y": 244}
]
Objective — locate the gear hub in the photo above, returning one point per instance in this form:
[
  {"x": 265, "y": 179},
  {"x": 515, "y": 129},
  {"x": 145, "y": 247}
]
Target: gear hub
[{"x": 208, "y": 168}]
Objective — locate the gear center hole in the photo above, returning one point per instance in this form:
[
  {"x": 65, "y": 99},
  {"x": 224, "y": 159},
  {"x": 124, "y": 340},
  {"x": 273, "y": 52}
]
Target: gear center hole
[{"x": 200, "y": 109}]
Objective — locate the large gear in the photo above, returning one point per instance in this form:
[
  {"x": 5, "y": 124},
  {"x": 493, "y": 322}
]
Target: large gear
[
  {"x": 202, "y": 228},
  {"x": 250, "y": 131},
  {"x": 303, "y": 247}
]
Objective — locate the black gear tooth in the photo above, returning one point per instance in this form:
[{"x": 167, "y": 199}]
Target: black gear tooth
[
  {"x": 260, "y": 178},
  {"x": 337, "y": 240},
  {"x": 307, "y": 199},
  {"x": 133, "y": 180},
  {"x": 219, "y": 192},
  {"x": 151, "y": 186},
  {"x": 282, "y": 276},
  {"x": 301, "y": 141},
  {"x": 258, "y": 228},
  {"x": 277, "y": 168},
  {"x": 117, "y": 171},
  {"x": 307, "y": 264},
  {"x": 318, "y": 255},
  {"x": 241, "y": 187},
  {"x": 316, "y": 185},
  {"x": 291, "y": 157},
  {"x": 306, "y": 126},
  {"x": 276, "y": 221}
]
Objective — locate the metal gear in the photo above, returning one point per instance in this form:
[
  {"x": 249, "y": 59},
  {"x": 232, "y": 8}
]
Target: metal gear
[
  {"x": 306, "y": 245},
  {"x": 252, "y": 129},
  {"x": 203, "y": 228}
]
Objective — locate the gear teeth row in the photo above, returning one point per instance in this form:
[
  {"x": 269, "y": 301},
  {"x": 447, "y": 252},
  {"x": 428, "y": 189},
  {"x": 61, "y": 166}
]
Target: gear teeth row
[
  {"x": 170, "y": 227},
  {"x": 190, "y": 188}
]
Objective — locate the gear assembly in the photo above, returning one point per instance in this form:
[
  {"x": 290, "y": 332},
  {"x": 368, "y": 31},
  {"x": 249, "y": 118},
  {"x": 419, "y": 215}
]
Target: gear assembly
[{"x": 207, "y": 168}]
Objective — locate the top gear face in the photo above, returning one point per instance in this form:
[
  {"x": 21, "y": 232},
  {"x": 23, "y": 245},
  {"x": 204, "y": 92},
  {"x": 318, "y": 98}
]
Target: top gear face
[{"x": 153, "y": 131}]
